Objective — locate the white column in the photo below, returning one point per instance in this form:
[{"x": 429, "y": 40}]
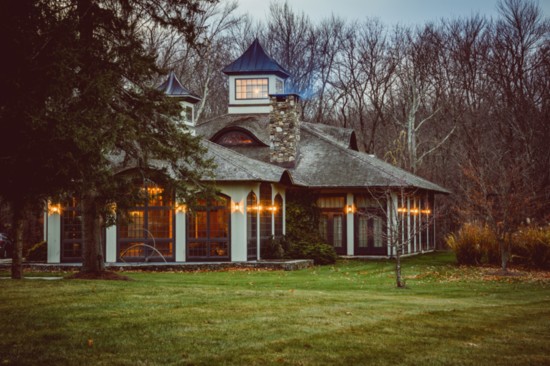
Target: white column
[
  {"x": 54, "y": 237},
  {"x": 180, "y": 239},
  {"x": 350, "y": 228},
  {"x": 238, "y": 229},
  {"x": 110, "y": 244}
]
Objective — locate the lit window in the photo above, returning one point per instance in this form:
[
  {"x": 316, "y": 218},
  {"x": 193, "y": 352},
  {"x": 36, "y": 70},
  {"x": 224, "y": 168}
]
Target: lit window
[
  {"x": 236, "y": 138},
  {"x": 251, "y": 88}
]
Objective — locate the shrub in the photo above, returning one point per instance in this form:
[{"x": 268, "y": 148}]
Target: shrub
[
  {"x": 474, "y": 244},
  {"x": 320, "y": 252},
  {"x": 532, "y": 247},
  {"x": 38, "y": 252},
  {"x": 273, "y": 249}
]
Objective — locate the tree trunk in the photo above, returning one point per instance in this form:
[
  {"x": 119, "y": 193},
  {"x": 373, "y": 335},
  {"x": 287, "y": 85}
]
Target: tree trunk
[
  {"x": 92, "y": 248},
  {"x": 398, "y": 278},
  {"x": 17, "y": 251}
]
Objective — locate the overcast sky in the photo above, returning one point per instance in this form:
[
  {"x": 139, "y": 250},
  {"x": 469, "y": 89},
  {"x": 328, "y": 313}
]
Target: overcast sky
[{"x": 406, "y": 12}]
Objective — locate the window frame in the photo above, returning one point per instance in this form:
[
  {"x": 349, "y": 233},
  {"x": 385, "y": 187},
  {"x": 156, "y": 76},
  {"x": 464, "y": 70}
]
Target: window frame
[{"x": 246, "y": 90}]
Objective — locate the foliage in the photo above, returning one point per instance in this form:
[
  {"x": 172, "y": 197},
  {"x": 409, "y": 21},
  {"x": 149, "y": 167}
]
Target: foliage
[
  {"x": 473, "y": 244},
  {"x": 532, "y": 247},
  {"x": 321, "y": 253},
  {"x": 273, "y": 248},
  {"x": 38, "y": 252}
]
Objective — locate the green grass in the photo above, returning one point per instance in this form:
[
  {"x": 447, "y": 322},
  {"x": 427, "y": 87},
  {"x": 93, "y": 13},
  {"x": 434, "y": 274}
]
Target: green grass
[{"x": 348, "y": 314}]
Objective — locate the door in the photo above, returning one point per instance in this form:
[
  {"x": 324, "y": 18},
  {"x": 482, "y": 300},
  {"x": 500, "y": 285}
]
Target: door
[
  {"x": 369, "y": 234},
  {"x": 332, "y": 227}
]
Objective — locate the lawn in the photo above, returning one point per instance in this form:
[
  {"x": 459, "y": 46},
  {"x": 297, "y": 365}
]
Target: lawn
[{"x": 348, "y": 314}]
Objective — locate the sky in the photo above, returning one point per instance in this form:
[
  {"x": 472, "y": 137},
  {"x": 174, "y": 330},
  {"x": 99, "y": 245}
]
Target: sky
[{"x": 390, "y": 12}]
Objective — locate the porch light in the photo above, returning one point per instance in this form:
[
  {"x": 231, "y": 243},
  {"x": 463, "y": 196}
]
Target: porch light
[
  {"x": 402, "y": 210},
  {"x": 272, "y": 208},
  {"x": 349, "y": 209},
  {"x": 236, "y": 207},
  {"x": 180, "y": 208},
  {"x": 54, "y": 209},
  {"x": 427, "y": 211}
]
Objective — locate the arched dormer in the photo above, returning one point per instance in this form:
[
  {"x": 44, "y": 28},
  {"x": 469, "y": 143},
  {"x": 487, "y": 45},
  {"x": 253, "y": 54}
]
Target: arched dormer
[
  {"x": 252, "y": 78},
  {"x": 236, "y": 136}
]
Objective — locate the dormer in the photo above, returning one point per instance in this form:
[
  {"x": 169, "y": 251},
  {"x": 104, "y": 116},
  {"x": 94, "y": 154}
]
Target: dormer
[
  {"x": 173, "y": 88},
  {"x": 252, "y": 78}
]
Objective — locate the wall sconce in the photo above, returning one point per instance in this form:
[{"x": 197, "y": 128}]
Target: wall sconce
[
  {"x": 402, "y": 210},
  {"x": 54, "y": 209},
  {"x": 180, "y": 208},
  {"x": 349, "y": 209},
  {"x": 236, "y": 207},
  {"x": 427, "y": 211}
]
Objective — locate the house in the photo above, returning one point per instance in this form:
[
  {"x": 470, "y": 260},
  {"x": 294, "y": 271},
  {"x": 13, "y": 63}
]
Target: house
[{"x": 263, "y": 151}]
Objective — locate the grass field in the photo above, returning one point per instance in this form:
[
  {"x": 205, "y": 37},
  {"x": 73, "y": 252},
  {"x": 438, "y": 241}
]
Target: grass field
[{"x": 347, "y": 314}]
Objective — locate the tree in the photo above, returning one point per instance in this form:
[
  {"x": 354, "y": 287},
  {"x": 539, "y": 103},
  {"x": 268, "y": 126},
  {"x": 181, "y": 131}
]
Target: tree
[{"x": 95, "y": 104}]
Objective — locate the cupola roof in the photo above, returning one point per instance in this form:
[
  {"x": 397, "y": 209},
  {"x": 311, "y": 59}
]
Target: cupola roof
[
  {"x": 255, "y": 61},
  {"x": 173, "y": 88}
]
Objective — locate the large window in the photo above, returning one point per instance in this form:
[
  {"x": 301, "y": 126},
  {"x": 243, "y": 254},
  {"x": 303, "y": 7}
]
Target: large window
[
  {"x": 266, "y": 224},
  {"x": 71, "y": 231},
  {"x": 252, "y": 225},
  {"x": 251, "y": 88},
  {"x": 332, "y": 225},
  {"x": 146, "y": 231},
  {"x": 278, "y": 213},
  {"x": 208, "y": 231},
  {"x": 369, "y": 226}
]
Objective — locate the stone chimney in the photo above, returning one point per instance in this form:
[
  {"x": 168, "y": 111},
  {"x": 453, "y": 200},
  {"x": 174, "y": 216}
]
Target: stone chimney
[{"x": 284, "y": 129}]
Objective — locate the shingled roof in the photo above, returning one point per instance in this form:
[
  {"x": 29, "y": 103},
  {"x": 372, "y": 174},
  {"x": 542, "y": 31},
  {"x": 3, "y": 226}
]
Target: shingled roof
[
  {"x": 327, "y": 158},
  {"x": 173, "y": 88},
  {"x": 255, "y": 61},
  {"x": 232, "y": 166}
]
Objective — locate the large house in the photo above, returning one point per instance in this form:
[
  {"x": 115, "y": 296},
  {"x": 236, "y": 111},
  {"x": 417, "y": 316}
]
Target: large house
[{"x": 263, "y": 151}]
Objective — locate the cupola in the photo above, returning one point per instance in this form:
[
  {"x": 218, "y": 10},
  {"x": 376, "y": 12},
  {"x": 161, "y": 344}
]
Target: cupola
[
  {"x": 172, "y": 87},
  {"x": 252, "y": 78}
]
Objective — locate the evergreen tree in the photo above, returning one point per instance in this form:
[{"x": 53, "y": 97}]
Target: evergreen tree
[{"x": 79, "y": 104}]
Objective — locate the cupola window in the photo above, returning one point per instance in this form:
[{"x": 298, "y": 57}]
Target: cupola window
[{"x": 251, "y": 88}]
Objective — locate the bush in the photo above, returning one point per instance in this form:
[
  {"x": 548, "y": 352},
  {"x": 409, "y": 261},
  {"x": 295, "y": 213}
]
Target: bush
[
  {"x": 38, "y": 252},
  {"x": 321, "y": 253},
  {"x": 273, "y": 249},
  {"x": 474, "y": 244},
  {"x": 532, "y": 247}
]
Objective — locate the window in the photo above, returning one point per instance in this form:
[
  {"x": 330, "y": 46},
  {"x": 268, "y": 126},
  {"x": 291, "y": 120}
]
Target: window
[
  {"x": 332, "y": 224},
  {"x": 265, "y": 213},
  {"x": 279, "y": 86},
  {"x": 187, "y": 113},
  {"x": 252, "y": 225},
  {"x": 71, "y": 231},
  {"x": 236, "y": 138},
  {"x": 369, "y": 225},
  {"x": 146, "y": 230},
  {"x": 278, "y": 212},
  {"x": 208, "y": 231},
  {"x": 251, "y": 88}
]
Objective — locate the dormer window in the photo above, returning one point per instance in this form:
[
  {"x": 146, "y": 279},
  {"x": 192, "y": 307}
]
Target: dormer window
[
  {"x": 236, "y": 137},
  {"x": 251, "y": 88}
]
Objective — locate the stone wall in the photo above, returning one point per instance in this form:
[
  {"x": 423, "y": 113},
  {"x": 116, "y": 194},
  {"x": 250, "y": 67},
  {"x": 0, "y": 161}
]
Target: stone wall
[{"x": 284, "y": 130}]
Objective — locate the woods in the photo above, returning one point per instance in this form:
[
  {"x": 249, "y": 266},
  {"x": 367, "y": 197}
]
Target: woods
[{"x": 462, "y": 102}]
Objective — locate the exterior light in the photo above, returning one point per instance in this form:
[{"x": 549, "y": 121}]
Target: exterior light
[
  {"x": 427, "y": 212},
  {"x": 54, "y": 209},
  {"x": 349, "y": 209},
  {"x": 236, "y": 206},
  {"x": 402, "y": 210},
  {"x": 180, "y": 208}
]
